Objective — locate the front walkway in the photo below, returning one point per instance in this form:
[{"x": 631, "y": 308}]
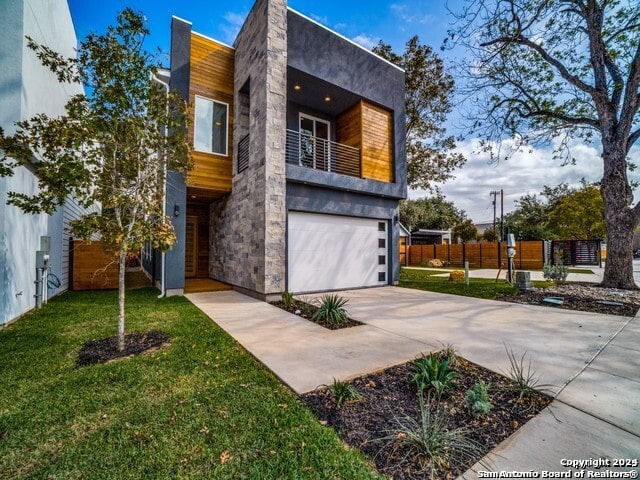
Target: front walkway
[{"x": 592, "y": 361}]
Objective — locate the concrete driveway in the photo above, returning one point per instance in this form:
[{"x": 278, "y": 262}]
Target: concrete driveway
[{"x": 591, "y": 362}]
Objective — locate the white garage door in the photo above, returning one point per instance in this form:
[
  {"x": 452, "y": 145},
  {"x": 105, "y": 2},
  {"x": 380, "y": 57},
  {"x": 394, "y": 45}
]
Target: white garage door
[{"x": 328, "y": 252}]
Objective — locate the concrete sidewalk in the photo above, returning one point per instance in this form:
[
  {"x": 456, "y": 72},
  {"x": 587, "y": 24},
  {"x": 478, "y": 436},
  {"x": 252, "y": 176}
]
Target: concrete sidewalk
[{"x": 592, "y": 361}]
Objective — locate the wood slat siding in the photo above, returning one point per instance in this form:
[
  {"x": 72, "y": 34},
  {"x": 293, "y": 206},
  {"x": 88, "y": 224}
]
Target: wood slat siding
[
  {"x": 71, "y": 210},
  {"x": 211, "y": 76},
  {"x": 377, "y": 148},
  {"x": 529, "y": 255},
  {"x": 349, "y": 127},
  {"x": 92, "y": 268},
  {"x": 369, "y": 128}
]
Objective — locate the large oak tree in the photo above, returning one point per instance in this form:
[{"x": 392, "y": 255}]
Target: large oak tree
[{"x": 561, "y": 71}]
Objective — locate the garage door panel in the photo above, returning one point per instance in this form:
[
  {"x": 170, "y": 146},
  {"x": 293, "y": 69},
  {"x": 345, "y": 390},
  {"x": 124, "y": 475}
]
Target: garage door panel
[{"x": 327, "y": 252}]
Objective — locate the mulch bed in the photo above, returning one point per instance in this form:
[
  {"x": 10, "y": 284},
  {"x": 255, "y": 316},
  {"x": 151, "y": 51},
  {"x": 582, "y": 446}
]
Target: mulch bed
[
  {"x": 388, "y": 395},
  {"x": 572, "y": 302},
  {"x": 306, "y": 311},
  {"x": 104, "y": 350}
]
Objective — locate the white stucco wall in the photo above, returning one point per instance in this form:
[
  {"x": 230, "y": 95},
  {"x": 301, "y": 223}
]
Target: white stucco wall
[{"x": 28, "y": 88}]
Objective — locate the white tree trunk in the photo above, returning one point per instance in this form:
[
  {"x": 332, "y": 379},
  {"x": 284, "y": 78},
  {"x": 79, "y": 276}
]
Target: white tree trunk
[{"x": 122, "y": 266}]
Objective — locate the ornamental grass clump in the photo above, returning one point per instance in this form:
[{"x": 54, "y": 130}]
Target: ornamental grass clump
[
  {"x": 344, "y": 392},
  {"x": 287, "y": 299},
  {"x": 428, "y": 442},
  {"x": 525, "y": 380},
  {"x": 331, "y": 310}
]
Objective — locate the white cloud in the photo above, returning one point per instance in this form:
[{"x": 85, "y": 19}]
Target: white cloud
[
  {"x": 322, "y": 20},
  {"x": 365, "y": 40},
  {"x": 526, "y": 172},
  {"x": 231, "y": 28},
  {"x": 409, "y": 15}
]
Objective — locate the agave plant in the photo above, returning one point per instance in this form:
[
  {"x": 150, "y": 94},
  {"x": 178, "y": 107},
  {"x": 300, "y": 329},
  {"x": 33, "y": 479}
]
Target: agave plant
[
  {"x": 431, "y": 373},
  {"x": 331, "y": 310}
]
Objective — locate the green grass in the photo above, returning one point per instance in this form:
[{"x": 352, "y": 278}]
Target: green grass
[
  {"x": 478, "y": 287},
  {"x": 201, "y": 408}
]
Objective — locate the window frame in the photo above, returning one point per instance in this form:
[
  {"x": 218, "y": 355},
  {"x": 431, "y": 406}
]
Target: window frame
[{"x": 195, "y": 126}]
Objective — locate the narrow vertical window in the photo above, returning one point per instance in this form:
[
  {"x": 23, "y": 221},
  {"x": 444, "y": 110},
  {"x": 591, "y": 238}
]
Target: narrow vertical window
[{"x": 211, "y": 126}]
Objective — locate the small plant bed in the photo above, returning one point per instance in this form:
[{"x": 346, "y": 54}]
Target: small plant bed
[
  {"x": 105, "y": 350},
  {"x": 581, "y": 296},
  {"x": 391, "y": 422},
  {"x": 328, "y": 311}
]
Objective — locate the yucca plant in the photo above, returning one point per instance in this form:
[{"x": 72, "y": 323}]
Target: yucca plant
[
  {"x": 431, "y": 373},
  {"x": 331, "y": 309}
]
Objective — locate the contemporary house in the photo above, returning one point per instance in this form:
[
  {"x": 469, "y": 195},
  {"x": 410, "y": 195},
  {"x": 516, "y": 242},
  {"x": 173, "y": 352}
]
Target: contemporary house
[
  {"x": 26, "y": 89},
  {"x": 299, "y": 151}
]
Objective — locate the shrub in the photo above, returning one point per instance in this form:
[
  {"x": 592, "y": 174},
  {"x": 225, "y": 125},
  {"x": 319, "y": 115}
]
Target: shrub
[
  {"x": 445, "y": 263},
  {"x": 344, "y": 392},
  {"x": 331, "y": 309},
  {"x": 287, "y": 299},
  {"x": 431, "y": 373},
  {"x": 477, "y": 400},
  {"x": 428, "y": 442},
  {"x": 557, "y": 273},
  {"x": 457, "y": 276},
  {"x": 434, "y": 263}
]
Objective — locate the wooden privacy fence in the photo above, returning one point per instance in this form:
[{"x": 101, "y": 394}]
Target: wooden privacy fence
[
  {"x": 92, "y": 268},
  {"x": 529, "y": 255}
]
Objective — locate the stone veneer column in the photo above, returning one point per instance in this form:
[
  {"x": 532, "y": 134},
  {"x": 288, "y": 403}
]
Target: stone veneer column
[
  {"x": 276, "y": 181},
  {"x": 249, "y": 227}
]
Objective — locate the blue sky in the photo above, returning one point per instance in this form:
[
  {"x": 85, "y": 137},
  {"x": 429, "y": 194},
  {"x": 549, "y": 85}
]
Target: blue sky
[{"x": 367, "y": 22}]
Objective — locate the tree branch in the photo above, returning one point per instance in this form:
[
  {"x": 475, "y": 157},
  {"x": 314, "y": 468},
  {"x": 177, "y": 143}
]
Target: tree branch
[
  {"x": 565, "y": 118},
  {"x": 631, "y": 97},
  {"x": 554, "y": 62},
  {"x": 633, "y": 138}
]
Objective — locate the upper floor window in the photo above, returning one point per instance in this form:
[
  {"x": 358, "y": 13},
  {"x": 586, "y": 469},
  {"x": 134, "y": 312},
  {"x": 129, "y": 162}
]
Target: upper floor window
[{"x": 211, "y": 126}]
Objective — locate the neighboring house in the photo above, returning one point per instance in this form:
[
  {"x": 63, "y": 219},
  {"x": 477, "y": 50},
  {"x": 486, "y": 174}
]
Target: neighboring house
[
  {"x": 482, "y": 226},
  {"x": 430, "y": 237},
  {"x": 300, "y": 162},
  {"x": 26, "y": 89}
]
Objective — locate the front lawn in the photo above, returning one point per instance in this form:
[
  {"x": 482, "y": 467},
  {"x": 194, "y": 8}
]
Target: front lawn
[
  {"x": 478, "y": 287},
  {"x": 201, "y": 408}
]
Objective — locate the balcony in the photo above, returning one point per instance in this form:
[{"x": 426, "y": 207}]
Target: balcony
[{"x": 317, "y": 153}]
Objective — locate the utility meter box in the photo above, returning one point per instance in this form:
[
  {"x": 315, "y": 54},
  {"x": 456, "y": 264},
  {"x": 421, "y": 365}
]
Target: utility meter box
[
  {"x": 45, "y": 244},
  {"x": 42, "y": 259},
  {"x": 511, "y": 240}
]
